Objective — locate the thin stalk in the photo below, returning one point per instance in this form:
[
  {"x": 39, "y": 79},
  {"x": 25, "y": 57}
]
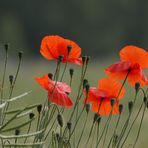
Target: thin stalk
[
  {"x": 82, "y": 130},
  {"x": 93, "y": 137},
  {"x": 132, "y": 125},
  {"x": 140, "y": 126},
  {"x": 28, "y": 132}
]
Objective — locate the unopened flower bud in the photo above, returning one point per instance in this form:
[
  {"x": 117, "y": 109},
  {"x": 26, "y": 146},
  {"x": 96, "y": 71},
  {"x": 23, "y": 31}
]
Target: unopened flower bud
[
  {"x": 39, "y": 108},
  {"x": 31, "y": 115},
  {"x": 87, "y": 107},
  {"x": 11, "y": 79},
  {"x": 60, "y": 58},
  {"x": 71, "y": 71},
  {"x": 120, "y": 108},
  {"x": 130, "y": 106},
  {"x": 69, "y": 125},
  {"x": 112, "y": 102},
  {"x": 137, "y": 86},
  {"x": 85, "y": 81},
  {"x": 17, "y": 132},
  {"x": 69, "y": 47},
  {"x": 50, "y": 75},
  {"x": 6, "y": 47},
  {"x": 87, "y": 88},
  {"x": 60, "y": 120},
  {"x": 20, "y": 53}
]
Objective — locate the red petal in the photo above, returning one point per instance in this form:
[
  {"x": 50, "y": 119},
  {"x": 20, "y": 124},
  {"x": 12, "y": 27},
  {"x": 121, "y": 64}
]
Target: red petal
[{"x": 135, "y": 55}]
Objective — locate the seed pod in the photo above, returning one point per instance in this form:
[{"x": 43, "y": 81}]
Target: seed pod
[
  {"x": 112, "y": 102},
  {"x": 96, "y": 116},
  {"x": 120, "y": 108},
  {"x": 50, "y": 75},
  {"x": 137, "y": 86},
  {"x": 69, "y": 47},
  {"x": 20, "y": 53},
  {"x": 71, "y": 71},
  {"x": 17, "y": 132},
  {"x": 31, "y": 115},
  {"x": 39, "y": 108},
  {"x": 69, "y": 125},
  {"x": 130, "y": 106},
  {"x": 11, "y": 79},
  {"x": 60, "y": 58}
]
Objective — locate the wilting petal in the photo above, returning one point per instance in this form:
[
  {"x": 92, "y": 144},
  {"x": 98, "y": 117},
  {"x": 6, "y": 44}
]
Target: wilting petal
[
  {"x": 135, "y": 55},
  {"x": 112, "y": 87}
]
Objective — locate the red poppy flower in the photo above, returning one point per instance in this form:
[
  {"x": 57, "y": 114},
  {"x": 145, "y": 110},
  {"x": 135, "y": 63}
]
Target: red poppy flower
[
  {"x": 133, "y": 61},
  {"x": 101, "y": 97},
  {"x": 53, "y": 46},
  {"x": 57, "y": 93}
]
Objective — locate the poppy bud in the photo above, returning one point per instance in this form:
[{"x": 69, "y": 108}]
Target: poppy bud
[
  {"x": 145, "y": 99},
  {"x": 20, "y": 53},
  {"x": 87, "y": 88},
  {"x": 85, "y": 81},
  {"x": 71, "y": 71},
  {"x": 87, "y": 107},
  {"x": 112, "y": 102},
  {"x": 57, "y": 136},
  {"x": 137, "y": 86},
  {"x": 6, "y": 47},
  {"x": 60, "y": 120},
  {"x": 130, "y": 106},
  {"x": 39, "y": 108},
  {"x": 69, "y": 47},
  {"x": 50, "y": 75},
  {"x": 17, "y": 132},
  {"x": 120, "y": 108},
  {"x": 69, "y": 124},
  {"x": 96, "y": 116},
  {"x": 84, "y": 58},
  {"x": 31, "y": 115},
  {"x": 60, "y": 58},
  {"x": 11, "y": 79}
]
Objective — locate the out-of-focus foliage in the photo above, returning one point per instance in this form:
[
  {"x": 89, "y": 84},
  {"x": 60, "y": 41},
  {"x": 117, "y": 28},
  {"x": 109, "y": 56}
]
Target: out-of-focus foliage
[{"x": 98, "y": 26}]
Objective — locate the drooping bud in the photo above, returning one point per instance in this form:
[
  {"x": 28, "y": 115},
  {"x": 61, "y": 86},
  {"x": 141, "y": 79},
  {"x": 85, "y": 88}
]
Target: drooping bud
[
  {"x": 50, "y": 75},
  {"x": 87, "y": 108},
  {"x": 69, "y": 125},
  {"x": 120, "y": 108},
  {"x": 31, "y": 115},
  {"x": 112, "y": 102},
  {"x": 39, "y": 108},
  {"x": 137, "y": 86},
  {"x": 60, "y": 120},
  {"x": 11, "y": 79},
  {"x": 20, "y": 53},
  {"x": 17, "y": 132},
  {"x": 130, "y": 106}
]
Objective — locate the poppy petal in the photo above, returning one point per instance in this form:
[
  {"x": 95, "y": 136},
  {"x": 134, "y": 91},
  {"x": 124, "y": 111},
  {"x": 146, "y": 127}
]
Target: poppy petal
[
  {"x": 112, "y": 87},
  {"x": 63, "y": 87},
  {"x": 135, "y": 55},
  {"x": 60, "y": 98},
  {"x": 43, "y": 81}
]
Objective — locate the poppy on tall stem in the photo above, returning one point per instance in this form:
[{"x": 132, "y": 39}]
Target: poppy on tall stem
[
  {"x": 57, "y": 91},
  {"x": 54, "y": 45},
  {"x": 101, "y": 97},
  {"x": 133, "y": 61}
]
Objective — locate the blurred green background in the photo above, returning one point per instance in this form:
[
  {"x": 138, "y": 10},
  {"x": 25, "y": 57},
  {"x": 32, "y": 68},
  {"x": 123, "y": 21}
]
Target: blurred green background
[{"x": 100, "y": 27}]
